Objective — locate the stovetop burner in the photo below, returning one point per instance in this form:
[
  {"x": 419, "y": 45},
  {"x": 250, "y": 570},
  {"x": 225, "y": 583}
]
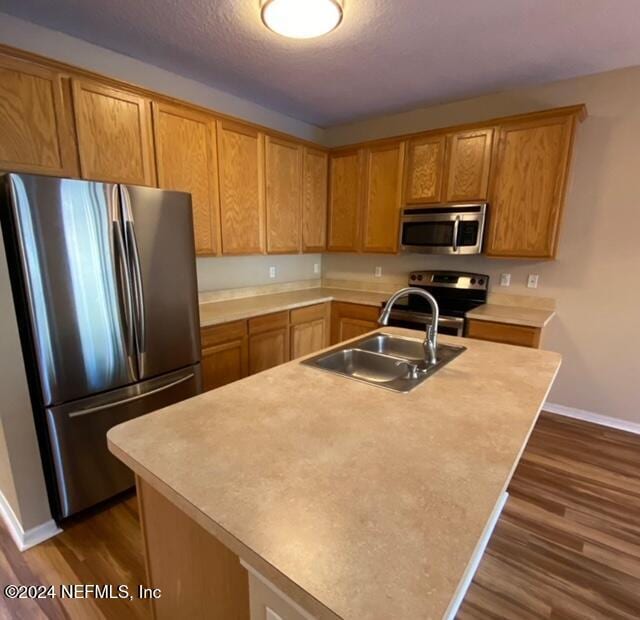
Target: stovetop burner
[{"x": 456, "y": 292}]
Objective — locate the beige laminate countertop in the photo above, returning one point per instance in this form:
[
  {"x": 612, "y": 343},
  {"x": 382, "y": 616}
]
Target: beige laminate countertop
[
  {"x": 357, "y": 502},
  {"x": 513, "y": 315},
  {"x": 216, "y": 312}
]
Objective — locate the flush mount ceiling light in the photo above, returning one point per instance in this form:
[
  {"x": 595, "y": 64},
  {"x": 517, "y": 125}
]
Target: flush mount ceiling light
[{"x": 301, "y": 19}]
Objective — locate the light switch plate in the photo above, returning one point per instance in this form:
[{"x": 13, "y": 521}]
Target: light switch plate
[
  {"x": 532, "y": 281},
  {"x": 316, "y": 267},
  {"x": 378, "y": 272},
  {"x": 272, "y": 272},
  {"x": 505, "y": 279}
]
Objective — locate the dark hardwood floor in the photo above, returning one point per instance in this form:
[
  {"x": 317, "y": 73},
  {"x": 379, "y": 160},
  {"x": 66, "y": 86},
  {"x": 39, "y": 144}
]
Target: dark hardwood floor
[{"x": 567, "y": 545}]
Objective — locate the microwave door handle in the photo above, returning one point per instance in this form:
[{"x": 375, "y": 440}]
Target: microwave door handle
[{"x": 456, "y": 226}]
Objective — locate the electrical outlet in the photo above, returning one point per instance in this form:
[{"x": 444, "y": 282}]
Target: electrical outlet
[
  {"x": 532, "y": 281},
  {"x": 378, "y": 272},
  {"x": 316, "y": 267},
  {"x": 505, "y": 279},
  {"x": 272, "y": 272}
]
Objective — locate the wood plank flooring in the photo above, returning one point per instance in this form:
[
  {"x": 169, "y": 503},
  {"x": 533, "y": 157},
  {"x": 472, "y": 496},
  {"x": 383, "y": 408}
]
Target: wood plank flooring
[
  {"x": 567, "y": 545},
  {"x": 568, "y": 542}
]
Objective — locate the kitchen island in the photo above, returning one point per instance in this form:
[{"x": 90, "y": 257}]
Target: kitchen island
[{"x": 343, "y": 500}]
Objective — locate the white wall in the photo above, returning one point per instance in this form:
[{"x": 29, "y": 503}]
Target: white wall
[{"x": 596, "y": 277}]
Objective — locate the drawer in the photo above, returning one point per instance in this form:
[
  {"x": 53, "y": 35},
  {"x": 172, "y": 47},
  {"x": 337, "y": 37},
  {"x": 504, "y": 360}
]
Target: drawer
[
  {"x": 503, "y": 332},
  {"x": 268, "y": 322},
  {"x": 218, "y": 334},
  {"x": 309, "y": 313}
]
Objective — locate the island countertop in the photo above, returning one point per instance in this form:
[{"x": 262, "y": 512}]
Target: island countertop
[{"x": 355, "y": 501}]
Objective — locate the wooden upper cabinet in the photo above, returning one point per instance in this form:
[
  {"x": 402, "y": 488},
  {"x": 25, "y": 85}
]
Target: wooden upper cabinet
[
  {"x": 36, "y": 128},
  {"x": 344, "y": 200},
  {"x": 425, "y": 169},
  {"x": 186, "y": 159},
  {"x": 284, "y": 195},
  {"x": 528, "y": 186},
  {"x": 382, "y": 197},
  {"x": 114, "y": 134},
  {"x": 241, "y": 173},
  {"x": 468, "y": 164},
  {"x": 314, "y": 200}
]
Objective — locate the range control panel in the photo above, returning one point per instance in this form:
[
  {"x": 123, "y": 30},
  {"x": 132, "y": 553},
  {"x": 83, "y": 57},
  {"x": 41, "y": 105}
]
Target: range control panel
[{"x": 450, "y": 279}]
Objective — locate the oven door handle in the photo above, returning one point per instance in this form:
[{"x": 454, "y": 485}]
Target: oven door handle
[{"x": 456, "y": 226}]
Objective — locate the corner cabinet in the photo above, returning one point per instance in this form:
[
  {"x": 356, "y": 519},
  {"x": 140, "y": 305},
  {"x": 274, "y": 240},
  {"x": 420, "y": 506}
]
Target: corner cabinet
[
  {"x": 345, "y": 185},
  {"x": 528, "y": 186},
  {"x": 352, "y": 320},
  {"x": 115, "y": 142},
  {"x": 36, "y": 125},
  {"x": 382, "y": 197},
  {"x": 268, "y": 341},
  {"x": 309, "y": 329},
  {"x": 241, "y": 173},
  {"x": 186, "y": 159},
  {"x": 314, "y": 200},
  {"x": 284, "y": 195}
]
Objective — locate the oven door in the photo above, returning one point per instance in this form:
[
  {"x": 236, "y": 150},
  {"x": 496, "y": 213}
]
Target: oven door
[
  {"x": 449, "y": 325},
  {"x": 444, "y": 230}
]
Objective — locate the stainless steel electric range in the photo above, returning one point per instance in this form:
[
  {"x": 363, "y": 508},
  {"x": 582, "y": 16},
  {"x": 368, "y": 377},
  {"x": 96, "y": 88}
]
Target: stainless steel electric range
[{"x": 456, "y": 292}]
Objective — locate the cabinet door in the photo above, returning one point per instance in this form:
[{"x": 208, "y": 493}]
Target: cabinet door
[
  {"x": 345, "y": 171},
  {"x": 469, "y": 158},
  {"x": 268, "y": 341},
  {"x": 528, "y": 187},
  {"x": 284, "y": 195},
  {"x": 501, "y": 332},
  {"x": 383, "y": 197},
  {"x": 352, "y": 320},
  {"x": 225, "y": 354},
  {"x": 314, "y": 200},
  {"x": 114, "y": 134},
  {"x": 309, "y": 330},
  {"x": 241, "y": 170},
  {"x": 36, "y": 129},
  {"x": 186, "y": 159},
  {"x": 425, "y": 169}
]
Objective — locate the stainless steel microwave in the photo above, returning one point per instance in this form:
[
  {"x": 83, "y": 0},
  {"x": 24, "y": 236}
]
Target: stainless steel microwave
[{"x": 443, "y": 229}]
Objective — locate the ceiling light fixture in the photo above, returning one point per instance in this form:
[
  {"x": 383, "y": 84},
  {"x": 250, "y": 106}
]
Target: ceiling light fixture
[{"x": 301, "y": 19}]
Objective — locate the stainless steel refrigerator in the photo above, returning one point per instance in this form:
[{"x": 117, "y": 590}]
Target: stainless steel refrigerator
[{"x": 104, "y": 284}]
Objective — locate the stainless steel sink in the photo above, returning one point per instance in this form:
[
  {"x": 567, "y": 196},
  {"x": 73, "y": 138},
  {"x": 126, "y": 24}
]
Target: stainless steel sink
[{"x": 383, "y": 360}]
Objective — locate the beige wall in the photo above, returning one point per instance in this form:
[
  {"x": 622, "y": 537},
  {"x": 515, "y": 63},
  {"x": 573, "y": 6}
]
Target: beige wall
[
  {"x": 596, "y": 277},
  {"x": 21, "y": 478}
]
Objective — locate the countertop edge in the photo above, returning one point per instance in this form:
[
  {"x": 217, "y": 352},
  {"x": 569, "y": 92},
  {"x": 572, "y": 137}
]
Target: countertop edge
[
  {"x": 355, "y": 297},
  {"x": 289, "y": 587},
  {"x": 479, "y": 314}
]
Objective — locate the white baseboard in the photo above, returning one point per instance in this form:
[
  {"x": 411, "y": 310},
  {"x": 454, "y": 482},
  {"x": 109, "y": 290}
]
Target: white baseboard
[
  {"x": 31, "y": 537},
  {"x": 595, "y": 418}
]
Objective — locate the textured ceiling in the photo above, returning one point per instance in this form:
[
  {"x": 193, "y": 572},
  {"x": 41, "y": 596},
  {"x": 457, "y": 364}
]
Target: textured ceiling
[{"x": 387, "y": 55}]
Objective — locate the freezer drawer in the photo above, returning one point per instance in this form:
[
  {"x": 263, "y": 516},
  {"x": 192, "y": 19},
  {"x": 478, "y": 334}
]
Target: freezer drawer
[{"x": 86, "y": 472}]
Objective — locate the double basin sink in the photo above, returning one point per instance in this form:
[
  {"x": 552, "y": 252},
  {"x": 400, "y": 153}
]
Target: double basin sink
[{"x": 384, "y": 360}]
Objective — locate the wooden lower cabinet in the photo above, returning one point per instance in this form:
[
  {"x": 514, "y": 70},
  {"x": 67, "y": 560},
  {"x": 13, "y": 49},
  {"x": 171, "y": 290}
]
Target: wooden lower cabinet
[
  {"x": 352, "y": 320},
  {"x": 199, "y": 576},
  {"x": 309, "y": 331},
  {"x": 268, "y": 341},
  {"x": 225, "y": 354},
  {"x": 502, "y": 332}
]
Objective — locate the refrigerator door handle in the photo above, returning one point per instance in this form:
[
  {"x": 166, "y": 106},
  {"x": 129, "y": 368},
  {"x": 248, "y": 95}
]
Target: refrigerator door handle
[
  {"x": 131, "y": 399},
  {"x": 125, "y": 280},
  {"x": 136, "y": 271}
]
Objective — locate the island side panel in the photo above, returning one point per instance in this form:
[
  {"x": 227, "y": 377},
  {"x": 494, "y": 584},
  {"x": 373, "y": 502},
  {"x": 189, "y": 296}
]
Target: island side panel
[{"x": 199, "y": 576}]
